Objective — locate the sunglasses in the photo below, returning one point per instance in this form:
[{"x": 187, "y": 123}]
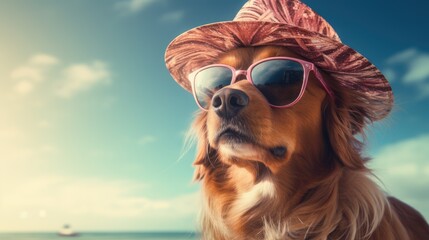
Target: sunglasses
[{"x": 281, "y": 80}]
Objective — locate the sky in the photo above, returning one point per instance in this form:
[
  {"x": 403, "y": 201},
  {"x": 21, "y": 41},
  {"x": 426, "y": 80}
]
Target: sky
[{"x": 92, "y": 125}]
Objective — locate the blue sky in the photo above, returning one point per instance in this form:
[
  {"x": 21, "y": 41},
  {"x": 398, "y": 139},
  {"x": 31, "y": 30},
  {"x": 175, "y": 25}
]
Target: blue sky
[{"x": 92, "y": 125}]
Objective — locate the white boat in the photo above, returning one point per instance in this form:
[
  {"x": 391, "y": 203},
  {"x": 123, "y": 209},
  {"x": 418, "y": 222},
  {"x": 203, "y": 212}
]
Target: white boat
[{"x": 66, "y": 231}]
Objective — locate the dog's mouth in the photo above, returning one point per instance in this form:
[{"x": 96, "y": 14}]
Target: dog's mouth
[
  {"x": 237, "y": 143},
  {"x": 233, "y": 135}
]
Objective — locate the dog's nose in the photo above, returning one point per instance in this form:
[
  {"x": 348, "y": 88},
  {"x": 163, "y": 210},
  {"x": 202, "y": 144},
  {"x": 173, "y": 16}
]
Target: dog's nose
[{"x": 227, "y": 102}]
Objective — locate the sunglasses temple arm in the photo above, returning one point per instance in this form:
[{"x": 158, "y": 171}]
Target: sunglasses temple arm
[{"x": 320, "y": 78}]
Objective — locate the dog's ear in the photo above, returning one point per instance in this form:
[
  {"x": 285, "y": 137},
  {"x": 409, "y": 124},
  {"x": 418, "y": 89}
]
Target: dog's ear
[
  {"x": 205, "y": 160},
  {"x": 205, "y": 156},
  {"x": 200, "y": 160},
  {"x": 345, "y": 119}
]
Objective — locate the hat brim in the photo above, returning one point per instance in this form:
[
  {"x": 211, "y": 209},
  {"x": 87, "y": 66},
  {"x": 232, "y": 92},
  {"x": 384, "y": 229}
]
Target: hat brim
[{"x": 203, "y": 45}]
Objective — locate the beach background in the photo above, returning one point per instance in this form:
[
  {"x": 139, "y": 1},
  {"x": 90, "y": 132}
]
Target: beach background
[
  {"x": 103, "y": 236},
  {"x": 92, "y": 125}
]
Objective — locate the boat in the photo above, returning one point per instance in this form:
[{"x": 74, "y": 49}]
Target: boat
[{"x": 67, "y": 231}]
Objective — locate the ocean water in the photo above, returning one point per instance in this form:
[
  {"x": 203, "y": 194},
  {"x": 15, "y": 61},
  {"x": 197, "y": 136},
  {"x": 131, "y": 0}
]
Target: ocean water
[{"x": 102, "y": 236}]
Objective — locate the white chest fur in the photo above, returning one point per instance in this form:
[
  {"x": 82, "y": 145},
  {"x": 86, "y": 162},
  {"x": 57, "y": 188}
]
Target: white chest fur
[{"x": 263, "y": 190}]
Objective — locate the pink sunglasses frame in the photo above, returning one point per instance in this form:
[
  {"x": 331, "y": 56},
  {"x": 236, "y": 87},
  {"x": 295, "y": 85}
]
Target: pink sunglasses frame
[{"x": 307, "y": 66}]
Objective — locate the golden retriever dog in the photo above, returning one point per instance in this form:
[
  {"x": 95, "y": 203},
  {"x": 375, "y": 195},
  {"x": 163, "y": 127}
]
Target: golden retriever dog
[
  {"x": 291, "y": 173},
  {"x": 284, "y": 106}
]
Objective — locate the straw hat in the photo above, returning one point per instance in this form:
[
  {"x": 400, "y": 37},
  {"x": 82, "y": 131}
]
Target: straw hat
[{"x": 288, "y": 23}]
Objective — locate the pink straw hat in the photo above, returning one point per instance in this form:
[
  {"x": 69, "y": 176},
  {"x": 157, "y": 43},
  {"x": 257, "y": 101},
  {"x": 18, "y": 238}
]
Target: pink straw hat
[{"x": 291, "y": 24}]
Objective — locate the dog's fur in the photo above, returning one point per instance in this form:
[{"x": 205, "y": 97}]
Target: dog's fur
[{"x": 319, "y": 189}]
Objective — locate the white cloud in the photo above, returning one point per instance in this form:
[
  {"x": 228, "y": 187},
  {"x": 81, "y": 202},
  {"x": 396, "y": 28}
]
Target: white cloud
[
  {"x": 24, "y": 87},
  {"x": 82, "y": 77},
  {"x": 146, "y": 140},
  {"x": 403, "y": 56},
  {"x": 84, "y": 202},
  {"x": 415, "y": 66},
  {"x": 35, "y": 68},
  {"x": 406, "y": 153},
  {"x": 172, "y": 17},
  {"x": 418, "y": 69},
  {"x": 31, "y": 73},
  {"x": 403, "y": 170},
  {"x": 43, "y": 60},
  {"x": 74, "y": 78},
  {"x": 133, "y": 6},
  {"x": 33, "y": 198},
  {"x": 403, "y": 167}
]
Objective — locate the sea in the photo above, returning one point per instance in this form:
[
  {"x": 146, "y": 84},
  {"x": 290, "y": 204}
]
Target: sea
[{"x": 103, "y": 236}]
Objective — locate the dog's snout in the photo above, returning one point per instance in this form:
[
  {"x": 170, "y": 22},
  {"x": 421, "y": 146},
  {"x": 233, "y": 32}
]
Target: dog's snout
[{"x": 227, "y": 102}]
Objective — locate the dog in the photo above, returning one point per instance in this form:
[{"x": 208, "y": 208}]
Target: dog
[
  {"x": 292, "y": 173},
  {"x": 284, "y": 106}
]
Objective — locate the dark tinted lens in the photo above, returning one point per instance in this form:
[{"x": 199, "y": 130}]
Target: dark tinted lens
[
  {"x": 210, "y": 80},
  {"x": 279, "y": 80}
]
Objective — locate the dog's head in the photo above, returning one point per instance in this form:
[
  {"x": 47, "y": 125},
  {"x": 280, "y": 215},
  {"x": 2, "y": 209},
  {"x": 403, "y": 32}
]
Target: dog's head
[{"x": 241, "y": 128}]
